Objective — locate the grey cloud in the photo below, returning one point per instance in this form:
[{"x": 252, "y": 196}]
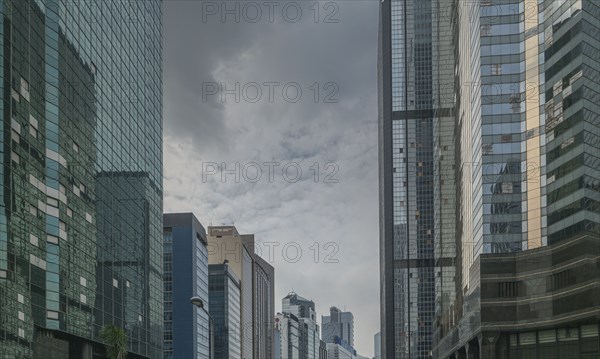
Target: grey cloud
[{"x": 306, "y": 132}]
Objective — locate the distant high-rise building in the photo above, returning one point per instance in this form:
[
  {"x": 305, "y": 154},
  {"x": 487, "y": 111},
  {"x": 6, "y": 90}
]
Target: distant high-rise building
[
  {"x": 337, "y": 323},
  {"x": 81, "y": 177},
  {"x": 299, "y": 306},
  {"x": 339, "y": 348},
  {"x": 304, "y": 310},
  {"x": 287, "y": 336},
  {"x": 264, "y": 302},
  {"x": 377, "y": 346},
  {"x": 187, "y": 327},
  {"x": 226, "y": 244},
  {"x": 225, "y": 308}
]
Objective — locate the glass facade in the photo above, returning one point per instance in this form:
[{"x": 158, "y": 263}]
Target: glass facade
[
  {"x": 187, "y": 327},
  {"x": 572, "y": 114},
  {"x": 415, "y": 47},
  {"x": 503, "y": 120},
  {"x": 225, "y": 301},
  {"x": 495, "y": 104},
  {"x": 81, "y": 198},
  {"x": 535, "y": 112}
]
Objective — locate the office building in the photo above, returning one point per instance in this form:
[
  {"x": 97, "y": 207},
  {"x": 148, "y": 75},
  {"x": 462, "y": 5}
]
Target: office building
[
  {"x": 264, "y": 302},
  {"x": 226, "y": 244},
  {"x": 340, "y": 349},
  {"x": 377, "y": 346},
  {"x": 287, "y": 336},
  {"x": 572, "y": 117},
  {"x": 416, "y": 122},
  {"x": 545, "y": 50},
  {"x": 338, "y": 323},
  {"x": 225, "y": 308},
  {"x": 81, "y": 176},
  {"x": 538, "y": 303},
  {"x": 511, "y": 89},
  {"x": 322, "y": 350},
  {"x": 187, "y": 329},
  {"x": 304, "y": 311}
]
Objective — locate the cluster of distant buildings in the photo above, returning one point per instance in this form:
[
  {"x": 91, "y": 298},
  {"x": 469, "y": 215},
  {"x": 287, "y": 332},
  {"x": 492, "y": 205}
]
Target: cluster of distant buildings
[
  {"x": 297, "y": 331},
  {"x": 219, "y": 295},
  {"x": 219, "y": 301}
]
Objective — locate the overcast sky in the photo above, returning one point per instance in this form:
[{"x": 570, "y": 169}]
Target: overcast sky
[{"x": 271, "y": 52}]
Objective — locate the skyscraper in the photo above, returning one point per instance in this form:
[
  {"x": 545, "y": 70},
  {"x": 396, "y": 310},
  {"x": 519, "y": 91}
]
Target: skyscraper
[
  {"x": 81, "y": 176},
  {"x": 226, "y": 244},
  {"x": 537, "y": 116},
  {"x": 572, "y": 117},
  {"x": 225, "y": 304},
  {"x": 303, "y": 311},
  {"x": 515, "y": 131},
  {"x": 264, "y": 302},
  {"x": 287, "y": 336},
  {"x": 337, "y": 323},
  {"x": 415, "y": 73},
  {"x": 187, "y": 327}
]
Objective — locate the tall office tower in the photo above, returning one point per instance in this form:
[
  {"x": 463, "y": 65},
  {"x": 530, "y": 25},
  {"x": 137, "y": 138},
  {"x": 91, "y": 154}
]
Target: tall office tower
[
  {"x": 377, "y": 346},
  {"x": 415, "y": 67},
  {"x": 225, "y": 306},
  {"x": 226, "y": 244},
  {"x": 572, "y": 116},
  {"x": 81, "y": 177},
  {"x": 187, "y": 327},
  {"x": 536, "y": 112},
  {"x": 264, "y": 302},
  {"x": 304, "y": 310},
  {"x": 337, "y": 323},
  {"x": 287, "y": 336}
]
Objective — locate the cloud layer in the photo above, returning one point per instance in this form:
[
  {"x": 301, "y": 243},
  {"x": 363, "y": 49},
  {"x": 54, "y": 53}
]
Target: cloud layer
[{"x": 329, "y": 132}]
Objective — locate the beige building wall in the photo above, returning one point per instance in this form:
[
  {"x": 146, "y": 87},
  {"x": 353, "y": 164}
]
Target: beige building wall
[{"x": 225, "y": 243}]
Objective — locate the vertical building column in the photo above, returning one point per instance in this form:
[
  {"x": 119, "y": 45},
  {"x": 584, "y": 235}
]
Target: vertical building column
[
  {"x": 533, "y": 163},
  {"x": 52, "y": 165}
]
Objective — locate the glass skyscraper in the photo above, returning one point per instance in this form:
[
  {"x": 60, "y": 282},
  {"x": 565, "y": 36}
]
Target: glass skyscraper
[
  {"x": 81, "y": 176},
  {"x": 415, "y": 72},
  {"x": 510, "y": 88}
]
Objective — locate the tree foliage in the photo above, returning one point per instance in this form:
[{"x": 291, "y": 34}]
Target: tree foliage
[{"x": 115, "y": 340}]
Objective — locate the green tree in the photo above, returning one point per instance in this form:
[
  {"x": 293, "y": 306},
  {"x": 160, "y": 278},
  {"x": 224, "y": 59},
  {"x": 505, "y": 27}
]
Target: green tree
[{"x": 115, "y": 340}]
